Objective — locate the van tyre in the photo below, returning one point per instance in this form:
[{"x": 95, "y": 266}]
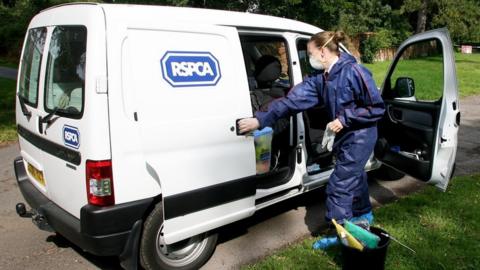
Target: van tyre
[{"x": 191, "y": 253}]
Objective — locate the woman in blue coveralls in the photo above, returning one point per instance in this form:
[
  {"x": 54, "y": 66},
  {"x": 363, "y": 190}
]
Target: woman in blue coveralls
[{"x": 354, "y": 106}]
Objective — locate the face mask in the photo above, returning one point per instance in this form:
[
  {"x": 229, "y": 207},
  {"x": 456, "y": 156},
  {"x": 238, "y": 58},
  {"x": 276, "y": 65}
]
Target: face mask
[{"x": 316, "y": 64}]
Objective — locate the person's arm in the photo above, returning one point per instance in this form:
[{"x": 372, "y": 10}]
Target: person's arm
[
  {"x": 365, "y": 104},
  {"x": 302, "y": 97}
]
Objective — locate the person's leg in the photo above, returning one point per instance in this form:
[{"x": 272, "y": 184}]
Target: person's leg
[
  {"x": 347, "y": 186},
  {"x": 347, "y": 189},
  {"x": 339, "y": 193},
  {"x": 340, "y": 189},
  {"x": 361, "y": 200},
  {"x": 361, "y": 203},
  {"x": 361, "y": 207}
]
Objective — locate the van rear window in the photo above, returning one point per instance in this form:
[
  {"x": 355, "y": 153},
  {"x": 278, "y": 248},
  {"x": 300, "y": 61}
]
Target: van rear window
[
  {"x": 30, "y": 70},
  {"x": 65, "y": 75}
]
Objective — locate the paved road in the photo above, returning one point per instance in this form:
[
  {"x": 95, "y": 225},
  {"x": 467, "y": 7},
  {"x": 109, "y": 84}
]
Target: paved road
[
  {"x": 22, "y": 246},
  {"x": 9, "y": 73}
]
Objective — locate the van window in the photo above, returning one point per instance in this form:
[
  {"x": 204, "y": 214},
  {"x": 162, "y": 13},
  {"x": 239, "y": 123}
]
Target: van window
[
  {"x": 422, "y": 63},
  {"x": 32, "y": 57},
  {"x": 303, "y": 57},
  {"x": 65, "y": 76},
  {"x": 257, "y": 52}
]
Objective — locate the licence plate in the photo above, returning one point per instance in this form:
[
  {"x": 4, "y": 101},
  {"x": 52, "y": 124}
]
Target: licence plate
[{"x": 36, "y": 173}]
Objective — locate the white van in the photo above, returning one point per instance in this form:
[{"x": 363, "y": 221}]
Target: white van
[{"x": 127, "y": 124}]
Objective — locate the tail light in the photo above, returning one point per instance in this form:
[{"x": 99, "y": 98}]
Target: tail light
[{"x": 99, "y": 180}]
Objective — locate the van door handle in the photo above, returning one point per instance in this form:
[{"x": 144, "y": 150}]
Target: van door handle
[
  {"x": 40, "y": 125},
  {"x": 395, "y": 115},
  {"x": 238, "y": 129}
]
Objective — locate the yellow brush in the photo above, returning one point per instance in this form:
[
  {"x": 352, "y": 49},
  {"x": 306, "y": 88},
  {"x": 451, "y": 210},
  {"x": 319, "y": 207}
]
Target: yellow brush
[{"x": 352, "y": 242}]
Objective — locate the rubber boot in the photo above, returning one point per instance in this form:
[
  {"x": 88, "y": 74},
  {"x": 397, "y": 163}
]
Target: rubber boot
[
  {"x": 325, "y": 242},
  {"x": 363, "y": 221}
]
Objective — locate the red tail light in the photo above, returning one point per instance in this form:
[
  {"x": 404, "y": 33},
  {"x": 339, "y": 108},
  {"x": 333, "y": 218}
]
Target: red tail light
[{"x": 99, "y": 180}]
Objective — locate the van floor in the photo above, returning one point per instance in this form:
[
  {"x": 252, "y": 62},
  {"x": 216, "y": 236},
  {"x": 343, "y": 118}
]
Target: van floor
[{"x": 282, "y": 161}]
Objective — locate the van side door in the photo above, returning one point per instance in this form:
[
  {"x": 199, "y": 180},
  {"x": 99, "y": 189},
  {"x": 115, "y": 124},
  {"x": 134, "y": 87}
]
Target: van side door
[{"x": 190, "y": 88}]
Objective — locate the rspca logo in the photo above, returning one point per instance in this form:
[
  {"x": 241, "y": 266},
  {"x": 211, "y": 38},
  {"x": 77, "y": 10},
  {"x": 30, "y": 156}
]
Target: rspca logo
[
  {"x": 71, "y": 136},
  {"x": 183, "y": 69}
]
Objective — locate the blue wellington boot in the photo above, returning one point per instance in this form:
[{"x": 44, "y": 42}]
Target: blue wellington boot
[
  {"x": 365, "y": 218},
  {"x": 325, "y": 242}
]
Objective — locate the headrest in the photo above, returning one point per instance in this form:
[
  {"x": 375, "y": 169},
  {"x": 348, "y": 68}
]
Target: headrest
[{"x": 267, "y": 70}]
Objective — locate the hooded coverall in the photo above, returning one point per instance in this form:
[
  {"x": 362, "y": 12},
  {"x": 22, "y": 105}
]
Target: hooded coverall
[{"x": 349, "y": 94}]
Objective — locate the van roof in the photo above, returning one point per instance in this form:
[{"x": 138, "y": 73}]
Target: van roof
[{"x": 199, "y": 16}]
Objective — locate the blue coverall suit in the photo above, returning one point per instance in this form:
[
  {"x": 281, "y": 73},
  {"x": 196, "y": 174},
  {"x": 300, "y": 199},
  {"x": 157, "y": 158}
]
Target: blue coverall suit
[{"x": 349, "y": 94}]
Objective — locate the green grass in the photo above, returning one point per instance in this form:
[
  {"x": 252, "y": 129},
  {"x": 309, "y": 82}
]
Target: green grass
[
  {"x": 7, "y": 110},
  {"x": 468, "y": 74},
  {"x": 443, "y": 229}
]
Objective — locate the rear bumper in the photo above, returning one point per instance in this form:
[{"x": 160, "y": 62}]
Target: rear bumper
[{"x": 102, "y": 231}]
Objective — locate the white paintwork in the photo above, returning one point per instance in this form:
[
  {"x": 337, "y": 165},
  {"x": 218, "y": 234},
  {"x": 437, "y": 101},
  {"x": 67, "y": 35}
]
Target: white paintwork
[
  {"x": 65, "y": 186},
  {"x": 205, "y": 220}
]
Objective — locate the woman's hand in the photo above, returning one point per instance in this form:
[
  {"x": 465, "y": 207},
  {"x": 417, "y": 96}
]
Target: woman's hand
[
  {"x": 336, "y": 125},
  {"x": 248, "y": 124}
]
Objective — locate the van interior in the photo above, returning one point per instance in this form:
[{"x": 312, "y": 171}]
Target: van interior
[
  {"x": 269, "y": 77},
  {"x": 315, "y": 120}
]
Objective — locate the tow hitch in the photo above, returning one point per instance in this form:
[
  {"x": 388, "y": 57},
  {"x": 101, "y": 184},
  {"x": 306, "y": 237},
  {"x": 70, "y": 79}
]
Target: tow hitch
[{"x": 37, "y": 217}]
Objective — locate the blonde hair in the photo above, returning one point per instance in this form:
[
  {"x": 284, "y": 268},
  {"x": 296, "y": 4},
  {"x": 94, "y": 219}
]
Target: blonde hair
[{"x": 329, "y": 39}]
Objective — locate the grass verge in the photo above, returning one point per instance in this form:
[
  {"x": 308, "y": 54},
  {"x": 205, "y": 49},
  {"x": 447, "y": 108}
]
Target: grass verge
[
  {"x": 7, "y": 111},
  {"x": 468, "y": 73},
  {"x": 443, "y": 229}
]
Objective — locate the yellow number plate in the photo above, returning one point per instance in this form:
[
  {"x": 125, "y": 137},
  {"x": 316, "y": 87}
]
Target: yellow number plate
[{"x": 36, "y": 173}]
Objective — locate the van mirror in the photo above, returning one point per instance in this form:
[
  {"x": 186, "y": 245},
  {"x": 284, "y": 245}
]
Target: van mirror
[{"x": 404, "y": 87}]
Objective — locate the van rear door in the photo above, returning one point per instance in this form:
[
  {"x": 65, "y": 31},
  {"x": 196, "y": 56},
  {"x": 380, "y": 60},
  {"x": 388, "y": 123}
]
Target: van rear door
[
  {"x": 190, "y": 87},
  {"x": 28, "y": 111},
  {"x": 69, "y": 123}
]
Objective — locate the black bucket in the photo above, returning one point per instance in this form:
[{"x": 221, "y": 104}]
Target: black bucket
[{"x": 371, "y": 259}]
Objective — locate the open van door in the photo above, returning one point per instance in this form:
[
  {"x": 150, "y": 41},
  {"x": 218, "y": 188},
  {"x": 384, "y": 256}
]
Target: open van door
[{"x": 418, "y": 134}]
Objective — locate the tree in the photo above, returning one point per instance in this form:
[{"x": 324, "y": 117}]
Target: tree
[
  {"x": 461, "y": 17},
  {"x": 393, "y": 21},
  {"x": 422, "y": 8}
]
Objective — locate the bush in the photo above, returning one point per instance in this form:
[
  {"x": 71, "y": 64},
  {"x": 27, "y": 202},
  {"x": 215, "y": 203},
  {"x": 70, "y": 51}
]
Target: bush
[{"x": 370, "y": 46}]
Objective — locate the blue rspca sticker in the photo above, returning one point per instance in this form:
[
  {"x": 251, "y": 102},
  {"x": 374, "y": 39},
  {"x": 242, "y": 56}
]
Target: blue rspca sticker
[
  {"x": 71, "y": 136},
  {"x": 186, "y": 69}
]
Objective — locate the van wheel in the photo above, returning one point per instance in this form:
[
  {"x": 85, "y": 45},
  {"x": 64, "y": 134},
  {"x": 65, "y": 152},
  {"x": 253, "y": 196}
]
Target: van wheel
[{"x": 190, "y": 253}]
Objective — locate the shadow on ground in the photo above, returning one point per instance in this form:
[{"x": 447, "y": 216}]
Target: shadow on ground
[{"x": 105, "y": 263}]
